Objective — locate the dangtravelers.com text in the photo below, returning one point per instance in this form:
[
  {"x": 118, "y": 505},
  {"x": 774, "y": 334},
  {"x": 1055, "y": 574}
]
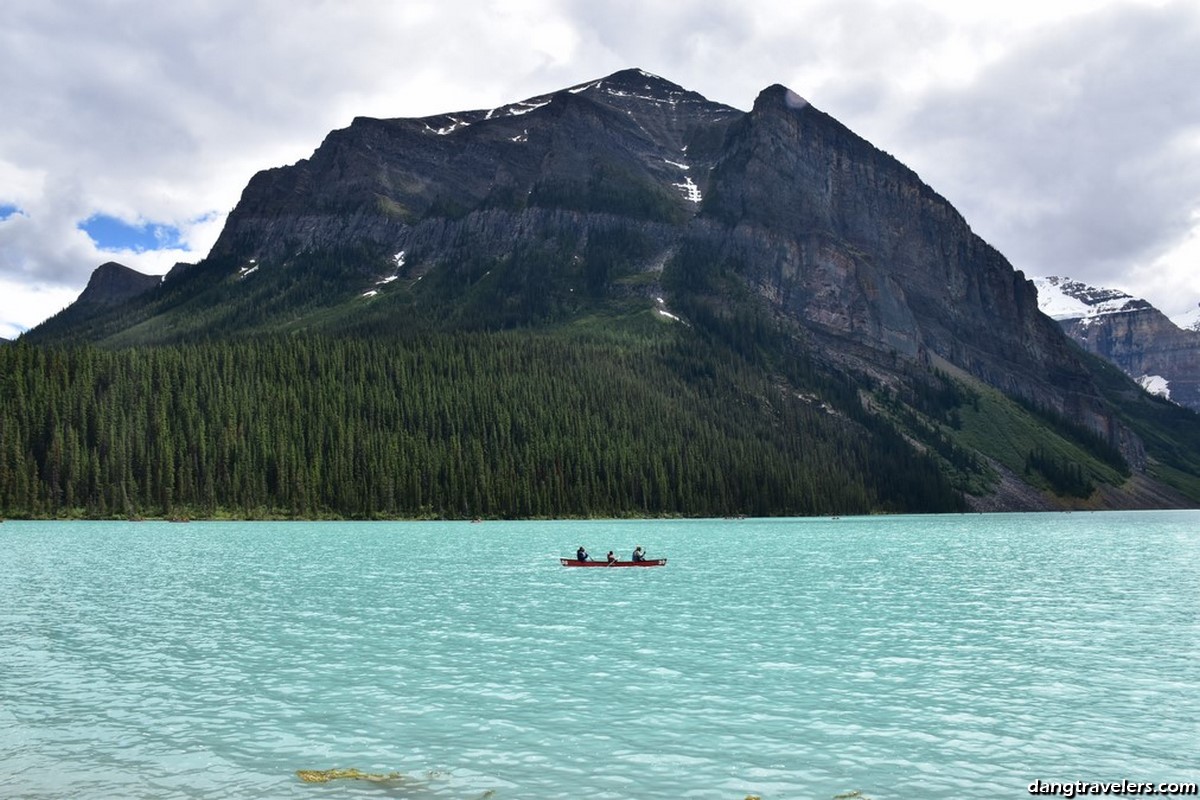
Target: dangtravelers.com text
[{"x": 1112, "y": 788}]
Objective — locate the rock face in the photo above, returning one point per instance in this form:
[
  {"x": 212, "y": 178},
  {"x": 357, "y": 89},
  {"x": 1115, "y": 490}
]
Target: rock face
[
  {"x": 112, "y": 284},
  {"x": 847, "y": 238},
  {"x": 631, "y": 144},
  {"x": 1130, "y": 333}
]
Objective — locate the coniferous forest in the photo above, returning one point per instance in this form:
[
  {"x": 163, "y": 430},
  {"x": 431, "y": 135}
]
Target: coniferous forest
[{"x": 501, "y": 424}]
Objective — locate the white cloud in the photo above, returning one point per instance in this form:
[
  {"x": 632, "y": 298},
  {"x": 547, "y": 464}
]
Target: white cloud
[
  {"x": 1073, "y": 152},
  {"x": 26, "y": 304},
  {"x": 1045, "y": 123}
]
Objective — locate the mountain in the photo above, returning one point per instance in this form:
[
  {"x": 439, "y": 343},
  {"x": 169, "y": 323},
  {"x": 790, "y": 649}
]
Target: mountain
[
  {"x": 745, "y": 275},
  {"x": 1189, "y": 321},
  {"x": 110, "y": 286},
  {"x": 1131, "y": 333}
]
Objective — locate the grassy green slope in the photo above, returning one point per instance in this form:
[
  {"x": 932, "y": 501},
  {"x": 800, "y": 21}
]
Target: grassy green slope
[
  {"x": 1170, "y": 433},
  {"x": 968, "y": 426}
]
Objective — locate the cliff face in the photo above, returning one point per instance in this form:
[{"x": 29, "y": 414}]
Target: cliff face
[
  {"x": 847, "y": 238},
  {"x": 1131, "y": 333},
  {"x": 1149, "y": 348},
  {"x": 112, "y": 284}
]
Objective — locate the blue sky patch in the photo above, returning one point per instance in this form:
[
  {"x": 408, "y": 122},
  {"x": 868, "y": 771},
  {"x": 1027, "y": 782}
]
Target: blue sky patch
[
  {"x": 7, "y": 211},
  {"x": 110, "y": 233}
]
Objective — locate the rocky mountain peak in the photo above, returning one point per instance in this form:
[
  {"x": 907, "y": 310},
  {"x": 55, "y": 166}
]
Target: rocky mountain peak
[
  {"x": 1062, "y": 298},
  {"x": 1129, "y": 332},
  {"x": 112, "y": 284},
  {"x": 635, "y": 82},
  {"x": 110, "y": 287},
  {"x": 1189, "y": 320},
  {"x": 661, "y": 107},
  {"x": 631, "y": 91},
  {"x": 776, "y": 97}
]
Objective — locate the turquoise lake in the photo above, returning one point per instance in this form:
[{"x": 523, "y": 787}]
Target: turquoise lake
[{"x": 959, "y": 656}]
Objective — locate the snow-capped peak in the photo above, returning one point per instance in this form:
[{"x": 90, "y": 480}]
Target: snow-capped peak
[
  {"x": 1063, "y": 298},
  {"x": 1188, "y": 320}
]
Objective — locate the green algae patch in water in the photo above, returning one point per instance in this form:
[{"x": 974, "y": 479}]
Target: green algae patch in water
[
  {"x": 327, "y": 775},
  {"x": 855, "y": 795}
]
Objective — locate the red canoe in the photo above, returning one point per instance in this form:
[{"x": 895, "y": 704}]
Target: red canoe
[{"x": 649, "y": 562}]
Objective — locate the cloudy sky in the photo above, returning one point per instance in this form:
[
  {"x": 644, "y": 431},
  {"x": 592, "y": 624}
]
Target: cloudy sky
[{"x": 1067, "y": 132}]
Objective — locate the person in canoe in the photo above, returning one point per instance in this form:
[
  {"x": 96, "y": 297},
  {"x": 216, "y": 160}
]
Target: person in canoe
[
  {"x": 612, "y": 559},
  {"x": 639, "y": 554},
  {"x": 582, "y": 555}
]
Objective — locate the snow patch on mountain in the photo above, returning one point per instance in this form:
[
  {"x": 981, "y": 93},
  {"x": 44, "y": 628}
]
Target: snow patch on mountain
[
  {"x": 660, "y": 308},
  {"x": 1156, "y": 384},
  {"x": 455, "y": 124},
  {"x": 525, "y": 107},
  {"x": 690, "y": 190}
]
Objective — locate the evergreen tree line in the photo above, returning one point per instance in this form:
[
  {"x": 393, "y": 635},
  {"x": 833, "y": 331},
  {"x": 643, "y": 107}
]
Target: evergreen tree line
[
  {"x": 918, "y": 393},
  {"x": 1096, "y": 445},
  {"x": 1064, "y": 476},
  {"x": 498, "y": 424}
]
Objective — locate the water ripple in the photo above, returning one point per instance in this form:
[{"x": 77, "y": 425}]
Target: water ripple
[{"x": 930, "y": 657}]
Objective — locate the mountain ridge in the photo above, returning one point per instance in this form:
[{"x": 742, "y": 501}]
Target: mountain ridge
[{"x": 481, "y": 161}]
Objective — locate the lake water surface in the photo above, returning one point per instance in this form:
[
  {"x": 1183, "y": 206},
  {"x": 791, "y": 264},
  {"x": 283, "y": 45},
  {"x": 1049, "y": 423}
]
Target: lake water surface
[{"x": 904, "y": 658}]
